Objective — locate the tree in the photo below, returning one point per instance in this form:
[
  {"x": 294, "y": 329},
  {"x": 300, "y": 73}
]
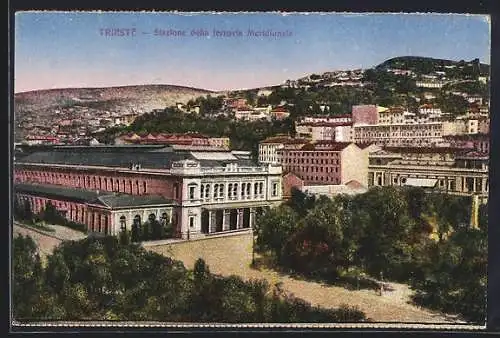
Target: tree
[
  {"x": 316, "y": 248},
  {"x": 274, "y": 228},
  {"x": 27, "y": 278},
  {"x": 301, "y": 202},
  {"x": 136, "y": 232},
  {"x": 125, "y": 238},
  {"x": 28, "y": 212}
]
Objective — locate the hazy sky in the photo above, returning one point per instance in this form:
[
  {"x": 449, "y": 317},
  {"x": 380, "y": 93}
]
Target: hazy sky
[{"x": 58, "y": 50}]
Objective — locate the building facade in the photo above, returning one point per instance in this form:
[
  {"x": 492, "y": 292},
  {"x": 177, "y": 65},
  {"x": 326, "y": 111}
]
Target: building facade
[
  {"x": 326, "y": 162},
  {"x": 268, "y": 149},
  {"x": 207, "y": 191},
  {"x": 449, "y": 170}
]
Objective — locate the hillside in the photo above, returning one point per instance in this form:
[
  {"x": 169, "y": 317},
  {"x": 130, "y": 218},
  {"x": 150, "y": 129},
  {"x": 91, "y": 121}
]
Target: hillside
[
  {"x": 87, "y": 107},
  {"x": 141, "y": 97},
  {"x": 422, "y": 64}
]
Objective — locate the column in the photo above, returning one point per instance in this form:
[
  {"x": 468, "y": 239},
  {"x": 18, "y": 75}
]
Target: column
[
  {"x": 474, "y": 184},
  {"x": 251, "y": 219},
  {"x": 483, "y": 185},
  {"x": 239, "y": 219},
  {"x": 211, "y": 221},
  {"x": 225, "y": 220}
]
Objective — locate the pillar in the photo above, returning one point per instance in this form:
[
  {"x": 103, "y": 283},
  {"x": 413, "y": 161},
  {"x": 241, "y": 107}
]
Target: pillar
[
  {"x": 251, "y": 219},
  {"x": 239, "y": 219},
  {"x": 211, "y": 221},
  {"x": 225, "y": 220}
]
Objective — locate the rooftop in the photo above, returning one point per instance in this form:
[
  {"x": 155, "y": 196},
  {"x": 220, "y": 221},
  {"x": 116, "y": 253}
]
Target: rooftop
[
  {"x": 103, "y": 198},
  {"x": 148, "y": 157}
]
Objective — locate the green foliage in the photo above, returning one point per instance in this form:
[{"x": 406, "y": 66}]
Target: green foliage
[
  {"x": 52, "y": 216},
  {"x": 386, "y": 234},
  {"x": 455, "y": 275},
  {"x": 101, "y": 278},
  {"x": 274, "y": 228}
]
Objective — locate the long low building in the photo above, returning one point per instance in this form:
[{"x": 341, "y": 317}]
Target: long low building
[
  {"x": 103, "y": 212},
  {"x": 207, "y": 192},
  {"x": 450, "y": 170}
]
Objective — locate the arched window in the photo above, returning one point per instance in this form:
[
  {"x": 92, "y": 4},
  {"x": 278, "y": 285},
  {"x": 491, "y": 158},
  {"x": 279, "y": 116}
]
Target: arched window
[
  {"x": 106, "y": 230},
  {"x": 235, "y": 190},
  {"x": 216, "y": 190},
  {"x": 100, "y": 183},
  {"x": 230, "y": 190},
  {"x": 255, "y": 188},
  {"x": 261, "y": 188},
  {"x": 144, "y": 186},
  {"x": 112, "y": 185},
  {"x": 164, "y": 218},
  {"x": 151, "y": 218},
  {"x": 221, "y": 190},
  {"x": 123, "y": 223},
  {"x": 243, "y": 190},
  {"x": 105, "y": 184},
  {"x": 207, "y": 191},
  {"x": 99, "y": 222},
  {"x": 202, "y": 191},
  {"x": 249, "y": 188}
]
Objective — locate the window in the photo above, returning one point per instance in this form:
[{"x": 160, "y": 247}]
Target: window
[
  {"x": 261, "y": 188},
  {"x": 221, "y": 190},
  {"x": 235, "y": 190},
  {"x": 164, "y": 218},
  {"x": 230, "y": 190},
  {"x": 123, "y": 223},
  {"x": 207, "y": 191},
  {"x": 191, "y": 221},
  {"x": 275, "y": 189},
  {"x": 144, "y": 187},
  {"x": 192, "y": 192},
  {"x": 216, "y": 190}
]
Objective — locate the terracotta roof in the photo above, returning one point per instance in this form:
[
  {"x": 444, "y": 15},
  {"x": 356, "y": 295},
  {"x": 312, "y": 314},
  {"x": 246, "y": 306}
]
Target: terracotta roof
[
  {"x": 325, "y": 145},
  {"x": 324, "y": 124},
  {"x": 283, "y": 139},
  {"x": 331, "y": 116},
  {"x": 424, "y": 150}
]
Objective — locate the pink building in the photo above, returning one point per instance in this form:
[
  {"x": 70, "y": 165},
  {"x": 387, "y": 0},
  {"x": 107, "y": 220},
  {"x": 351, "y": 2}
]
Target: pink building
[
  {"x": 365, "y": 114},
  {"x": 326, "y": 162}
]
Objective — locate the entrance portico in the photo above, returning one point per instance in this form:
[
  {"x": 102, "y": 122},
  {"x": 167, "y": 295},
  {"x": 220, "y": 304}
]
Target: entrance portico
[{"x": 218, "y": 220}]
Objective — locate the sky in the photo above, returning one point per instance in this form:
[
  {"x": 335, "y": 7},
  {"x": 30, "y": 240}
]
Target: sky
[{"x": 61, "y": 50}]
